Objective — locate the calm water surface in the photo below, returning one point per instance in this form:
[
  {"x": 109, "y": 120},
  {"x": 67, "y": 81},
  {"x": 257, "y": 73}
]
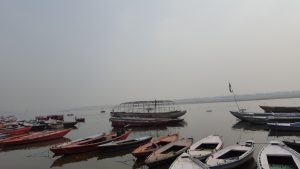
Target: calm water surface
[{"x": 198, "y": 124}]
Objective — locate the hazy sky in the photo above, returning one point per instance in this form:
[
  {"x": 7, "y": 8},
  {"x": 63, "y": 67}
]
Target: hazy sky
[{"x": 64, "y": 54}]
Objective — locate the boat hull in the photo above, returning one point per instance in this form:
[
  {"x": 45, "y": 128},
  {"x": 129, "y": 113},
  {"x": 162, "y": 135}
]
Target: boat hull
[
  {"x": 82, "y": 148},
  {"x": 105, "y": 148},
  {"x": 140, "y": 122},
  {"x": 171, "y": 114},
  {"x": 158, "y": 157},
  {"x": 280, "y": 109},
  {"x": 36, "y": 138},
  {"x": 263, "y": 118},
  {"x": 18, "y": 131},
  {"x": 223, "y": 160},
  {"x": 145, "y": 150}
]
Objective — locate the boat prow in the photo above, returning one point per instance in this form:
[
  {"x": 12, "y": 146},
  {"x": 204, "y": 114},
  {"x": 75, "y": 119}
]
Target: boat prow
[
  {"x": 278, "y": 155},
  {"x": 205, "y": 147},
  {"x": 232, "y": 156}
]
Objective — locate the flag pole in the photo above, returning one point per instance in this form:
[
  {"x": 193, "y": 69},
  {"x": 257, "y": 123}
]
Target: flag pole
[{"x": 231, "y": 91}]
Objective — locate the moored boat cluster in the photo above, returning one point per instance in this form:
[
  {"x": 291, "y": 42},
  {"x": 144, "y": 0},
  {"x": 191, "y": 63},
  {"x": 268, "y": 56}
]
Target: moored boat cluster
[{"x": 180, "y": 152}]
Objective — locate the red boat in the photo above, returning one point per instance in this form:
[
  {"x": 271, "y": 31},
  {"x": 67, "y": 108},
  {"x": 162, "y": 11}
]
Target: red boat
[
  {"x": 34, "y": 137},
  {"x": 88, "y": 144},
  {"x": 16, "y": 131}
]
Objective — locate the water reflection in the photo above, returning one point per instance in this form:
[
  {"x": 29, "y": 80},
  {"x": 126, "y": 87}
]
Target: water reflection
[
  {"x": 35, "y": 145},
  {"x": 67, "y": 159},
  {"x": 249, "y": 126}
]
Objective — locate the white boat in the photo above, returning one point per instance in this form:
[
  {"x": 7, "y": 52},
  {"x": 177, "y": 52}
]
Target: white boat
[
  {"x": 278, "y": 155},
  {"x": 205, "y": 147},
  {"x": 232, "y": 156},
  {"x": 186, "y": 161}
]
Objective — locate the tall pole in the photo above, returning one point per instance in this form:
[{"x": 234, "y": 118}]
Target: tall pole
[{"x": 231, "y": 91}]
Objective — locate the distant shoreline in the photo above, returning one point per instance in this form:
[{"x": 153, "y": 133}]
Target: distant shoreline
[
  {"x": 245, "y": 97},
  {"x": 217, "y": 99}
]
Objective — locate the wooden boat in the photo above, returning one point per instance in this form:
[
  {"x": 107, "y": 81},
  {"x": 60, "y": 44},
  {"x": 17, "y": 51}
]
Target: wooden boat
[
  {"x": 145, "y": 150},
  {"x": 88, "y": 144},
  {"x": 263, "y": 118},
  {"x": 280, "y": 109},
  {"x": 34, "y": 137},
  {"x": 15, "y": 131},
  {"x": 186, "y": 161},
  {"x": 148, "y": 109},
  {"x": 139, "y": 122},
  {"x": 81, "y": 119},
  {"x": 278, "y": 155},
  {"x": 205, "y": 147},
  {"x": 69, "y": 124},
  {"x": 293, "y": 144},
  {"x": 168, "y": 152},
  {"x": 232, "y": 156},
  {"x": 124, "y": 144},
  {"x": 284, "y": 126}
]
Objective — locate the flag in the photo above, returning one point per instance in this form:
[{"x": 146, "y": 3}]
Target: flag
[{"x": 230, "y": 89}]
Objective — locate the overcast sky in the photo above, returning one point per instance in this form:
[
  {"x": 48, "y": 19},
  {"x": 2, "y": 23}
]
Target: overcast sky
[{"x": 64, "y": 54}]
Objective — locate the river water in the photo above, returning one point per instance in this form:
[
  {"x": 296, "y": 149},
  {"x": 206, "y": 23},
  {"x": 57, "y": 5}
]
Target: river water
[{"x": 198, "y": 123}]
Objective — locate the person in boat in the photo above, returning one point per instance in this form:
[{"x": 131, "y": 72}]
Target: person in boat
[{"x": 120, "y": 132}]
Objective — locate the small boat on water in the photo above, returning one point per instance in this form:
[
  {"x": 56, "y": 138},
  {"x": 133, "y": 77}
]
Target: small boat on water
[
  {"x": 294, "y": 144},
  {"x": 205, "y": 147},
  {"x": 140, "y": 122},
  {"x": 148, "y": 109},
  {"x": 15, "y": 131},
  {"x": 263, "y": 118},
  {"x": 145, "y": 150},
  {"x": 124, "y": 144},
  {"x": 284, "y": 126},
  {"x": 232, "y": 156},
  {"x": 34, "y": 137},
  {"x": 280, "y": 109},
  {"x": 102, "y": 111},
  {"x": 168, "y": 152},
  {"x": 88, "y": 144},
  {"x": 186, "y": 161},
  {"x": 69, "y": 124},
  {"x": 81, "y": 119},
  {"x": 278, "y": 155}
]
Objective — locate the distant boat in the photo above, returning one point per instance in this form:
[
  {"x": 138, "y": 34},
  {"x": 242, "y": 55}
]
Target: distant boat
[
  {"x": 278, "y": 155},
  {"x": 168, "y": 152},
  {"x": 69, "y": 124},
  {"x": 209, "y": 110},
  {"x": 232, "y": 156},
  {"x": 280, "y": 109},
  {"x": 148, "y": 109},
  {"x": 187, "y": 161},
  {"x": 102, "y": 111},
  {"x": 70, "y": 114},
  {"x": 81, "y": 119},
  {"x": 205, "y": 147}
]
